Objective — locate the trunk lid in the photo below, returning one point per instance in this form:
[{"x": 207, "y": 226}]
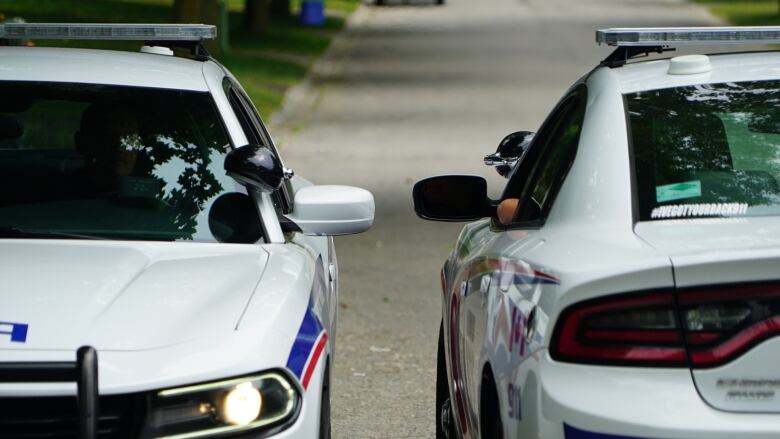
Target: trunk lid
[{"x": 728, "y": 291}]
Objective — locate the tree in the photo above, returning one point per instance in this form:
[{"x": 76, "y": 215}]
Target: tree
[
  {"x": 256, "y": 14},
  {"x": 196, "y": 11},
  {"x": 199, "y": 11},
  {"x": 281, "y": 8}
]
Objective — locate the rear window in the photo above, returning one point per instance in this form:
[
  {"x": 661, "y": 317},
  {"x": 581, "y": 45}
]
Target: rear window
[{"x": 708, "y": 150}]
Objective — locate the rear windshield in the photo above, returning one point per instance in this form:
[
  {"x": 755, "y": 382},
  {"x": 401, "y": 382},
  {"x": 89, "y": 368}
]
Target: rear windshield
[
  {"x": 109, "y": 162},
  {"x": 707, "y": 150}
]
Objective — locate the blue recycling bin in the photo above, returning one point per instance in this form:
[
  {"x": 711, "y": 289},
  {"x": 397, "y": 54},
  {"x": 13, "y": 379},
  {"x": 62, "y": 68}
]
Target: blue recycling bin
[{"x": 313, "y": 12}]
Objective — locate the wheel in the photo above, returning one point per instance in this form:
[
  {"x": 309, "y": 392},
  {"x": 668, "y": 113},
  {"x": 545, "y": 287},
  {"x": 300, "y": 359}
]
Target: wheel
[
  {"x": 490, "y": 425},
  {"x": 439, "y": 2},
  {"x": 325, "y": 405},
  {"x": 380, "y": 2},
  {"x": 445, "y": 427}
]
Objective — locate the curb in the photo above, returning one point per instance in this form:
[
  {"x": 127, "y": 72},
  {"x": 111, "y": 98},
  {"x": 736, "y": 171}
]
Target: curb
[{"x": 301, "y": 100}]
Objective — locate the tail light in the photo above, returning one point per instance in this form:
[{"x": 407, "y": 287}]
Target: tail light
[
  {"x": 700, "y": 328},
  {"x": 723, "y": 323},
  {"x": 625, "y": 329}
]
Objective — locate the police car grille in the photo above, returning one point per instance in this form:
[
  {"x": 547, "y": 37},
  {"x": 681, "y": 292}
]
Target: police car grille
[{"x": 57, "y": 417}]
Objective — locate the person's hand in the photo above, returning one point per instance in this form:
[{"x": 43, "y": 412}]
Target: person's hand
[{"x": 507, "y": 210}]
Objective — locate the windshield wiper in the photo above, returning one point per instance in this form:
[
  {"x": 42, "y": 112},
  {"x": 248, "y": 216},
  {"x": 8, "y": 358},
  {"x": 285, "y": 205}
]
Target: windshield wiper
[{"x": 16, "y": 232}]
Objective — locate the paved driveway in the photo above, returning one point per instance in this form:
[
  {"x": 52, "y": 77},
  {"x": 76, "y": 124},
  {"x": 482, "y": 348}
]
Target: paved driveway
[{"x": 411, "y": 91}]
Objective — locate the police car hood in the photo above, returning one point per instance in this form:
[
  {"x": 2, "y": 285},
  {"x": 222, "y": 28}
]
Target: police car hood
[{"x": 121, "y": 295}]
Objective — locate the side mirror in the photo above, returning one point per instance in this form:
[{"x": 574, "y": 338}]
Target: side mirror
[
  {"x": 452, "y": 198},
  {"x": 509, "y": 151},
  {"x": 255, "y": 166},
  {"x": 332, "y": 210}
]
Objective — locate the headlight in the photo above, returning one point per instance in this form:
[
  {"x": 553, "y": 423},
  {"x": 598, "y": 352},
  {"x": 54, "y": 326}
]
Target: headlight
[{"x": 236, "y": 405}]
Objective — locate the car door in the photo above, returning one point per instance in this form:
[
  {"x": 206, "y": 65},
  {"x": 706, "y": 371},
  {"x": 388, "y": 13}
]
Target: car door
[{"x": 504, "y": 286}]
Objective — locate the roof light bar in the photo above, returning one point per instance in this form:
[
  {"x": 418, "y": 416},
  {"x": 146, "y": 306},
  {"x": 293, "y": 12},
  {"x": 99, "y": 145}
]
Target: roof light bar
[
  {"x": 680, "y": 36},
  {"x": 108, "y": 31}
]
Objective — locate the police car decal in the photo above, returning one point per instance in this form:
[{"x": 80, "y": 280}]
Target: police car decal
[
  {"x": 307, "y": 348},
  {"x": 522, "y": 273},
  {"x": 312, "y": 337},
  {"x": 17, "y": 331}
]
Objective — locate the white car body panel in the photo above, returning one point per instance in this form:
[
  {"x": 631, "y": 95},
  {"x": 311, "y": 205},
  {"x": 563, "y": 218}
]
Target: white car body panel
[
  {"x": 88, "y": 66},
  {"x": 736, "y": 67},
  {"x": 591, "y": 246},
  {"x": 649, "y": 403},
  {"x": 182, "y": 291}
]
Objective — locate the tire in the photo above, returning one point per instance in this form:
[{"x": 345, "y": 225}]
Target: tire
[
  {"x": 325, "y": 405},
  {"x": 490, "y": 425},
  {"x": 380, "y": 2},
  {"x": 439, "y": 2},
  {"x": 443, "y": 403}
]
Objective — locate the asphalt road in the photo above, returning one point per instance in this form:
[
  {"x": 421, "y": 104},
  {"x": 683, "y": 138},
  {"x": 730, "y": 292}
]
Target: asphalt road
[{"x": 408, "y": 91}]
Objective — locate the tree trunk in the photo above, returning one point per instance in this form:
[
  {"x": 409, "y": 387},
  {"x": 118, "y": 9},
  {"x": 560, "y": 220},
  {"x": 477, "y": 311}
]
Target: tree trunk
[
  {"x": 196, "y": 11},
  {"x": 281, "y": 8},
  {"x": 256, "y": 15},
  {"x": 199, "y": 12}
]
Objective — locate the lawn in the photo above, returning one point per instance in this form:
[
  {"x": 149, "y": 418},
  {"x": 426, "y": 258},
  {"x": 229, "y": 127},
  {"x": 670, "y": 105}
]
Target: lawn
[
  {"x": 745, "y": 12},
  {"x": 266, "y": 63}
]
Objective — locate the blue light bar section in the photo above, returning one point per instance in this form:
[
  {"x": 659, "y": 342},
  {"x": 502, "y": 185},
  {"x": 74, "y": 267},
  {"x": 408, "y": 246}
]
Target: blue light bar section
[
  {"x": 108, "y": 31},
  {"x": 682, "y": 36}
]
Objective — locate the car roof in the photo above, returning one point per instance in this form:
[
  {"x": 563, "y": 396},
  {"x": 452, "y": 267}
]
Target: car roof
[
  {"x": 732, "y": 67},
  {"x": 92, "y": 66}
]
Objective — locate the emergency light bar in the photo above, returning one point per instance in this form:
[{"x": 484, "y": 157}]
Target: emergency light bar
[
  {"x": 679, "y": 36},
  {"x": 108, "y": 31}
]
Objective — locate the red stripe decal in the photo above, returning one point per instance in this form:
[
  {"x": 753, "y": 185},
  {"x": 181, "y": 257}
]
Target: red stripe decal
[{"x": 314, "y": 358}]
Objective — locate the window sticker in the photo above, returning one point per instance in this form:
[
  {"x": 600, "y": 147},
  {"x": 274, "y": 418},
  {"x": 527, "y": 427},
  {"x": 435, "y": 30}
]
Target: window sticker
[
  {"x": 678, "y": 191},
  {"x": 699, "y": 210}
]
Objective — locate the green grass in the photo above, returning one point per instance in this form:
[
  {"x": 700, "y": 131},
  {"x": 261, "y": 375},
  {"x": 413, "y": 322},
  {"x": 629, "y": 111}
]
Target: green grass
[
  {"x": 266, "y": 63},
  {"x": 745, "y": 12}
]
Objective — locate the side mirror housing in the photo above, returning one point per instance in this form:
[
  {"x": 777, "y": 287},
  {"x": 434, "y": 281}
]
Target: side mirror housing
[
  {"x": 332, "y": 210},
  {"x": 255, "y": 166},
  {"x": 509, "y": 151},
  {"x": 452, "y": 198}
]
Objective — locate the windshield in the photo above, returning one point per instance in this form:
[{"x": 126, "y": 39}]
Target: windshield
[
  {"x": 109, "y": 161},
  {"x": 707, "y": 150}
]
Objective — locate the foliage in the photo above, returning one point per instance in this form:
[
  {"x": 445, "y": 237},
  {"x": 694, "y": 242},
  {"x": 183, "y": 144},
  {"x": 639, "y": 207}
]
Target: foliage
[
  {"x": 746, "y": 12},
  {"x": 266, "y": 63}
]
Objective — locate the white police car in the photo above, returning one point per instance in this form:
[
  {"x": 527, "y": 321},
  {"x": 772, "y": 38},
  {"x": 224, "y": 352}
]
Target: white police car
[
  {"x": 161, "y": 273},
  {"x": 626, "y": 285}
]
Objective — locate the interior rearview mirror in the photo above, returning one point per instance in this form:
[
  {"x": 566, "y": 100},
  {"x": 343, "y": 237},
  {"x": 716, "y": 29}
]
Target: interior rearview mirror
[
  {"x": 452, "y": 198},
  {"x": 233, "y": 218},
  {"x": 255, "y": 166}
]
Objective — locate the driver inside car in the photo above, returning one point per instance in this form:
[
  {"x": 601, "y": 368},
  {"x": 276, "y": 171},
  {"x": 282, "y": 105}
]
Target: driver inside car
[
  {"x": 109, "y": 141},
  {"x": 507, "y": 210}
]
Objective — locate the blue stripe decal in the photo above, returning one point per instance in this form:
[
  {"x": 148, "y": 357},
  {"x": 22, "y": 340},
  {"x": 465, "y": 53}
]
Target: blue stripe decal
[
  {"x": 570, "y": 432},
  {"x": 304, "y": 342},
  {"x": 310, "y": 329}
]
